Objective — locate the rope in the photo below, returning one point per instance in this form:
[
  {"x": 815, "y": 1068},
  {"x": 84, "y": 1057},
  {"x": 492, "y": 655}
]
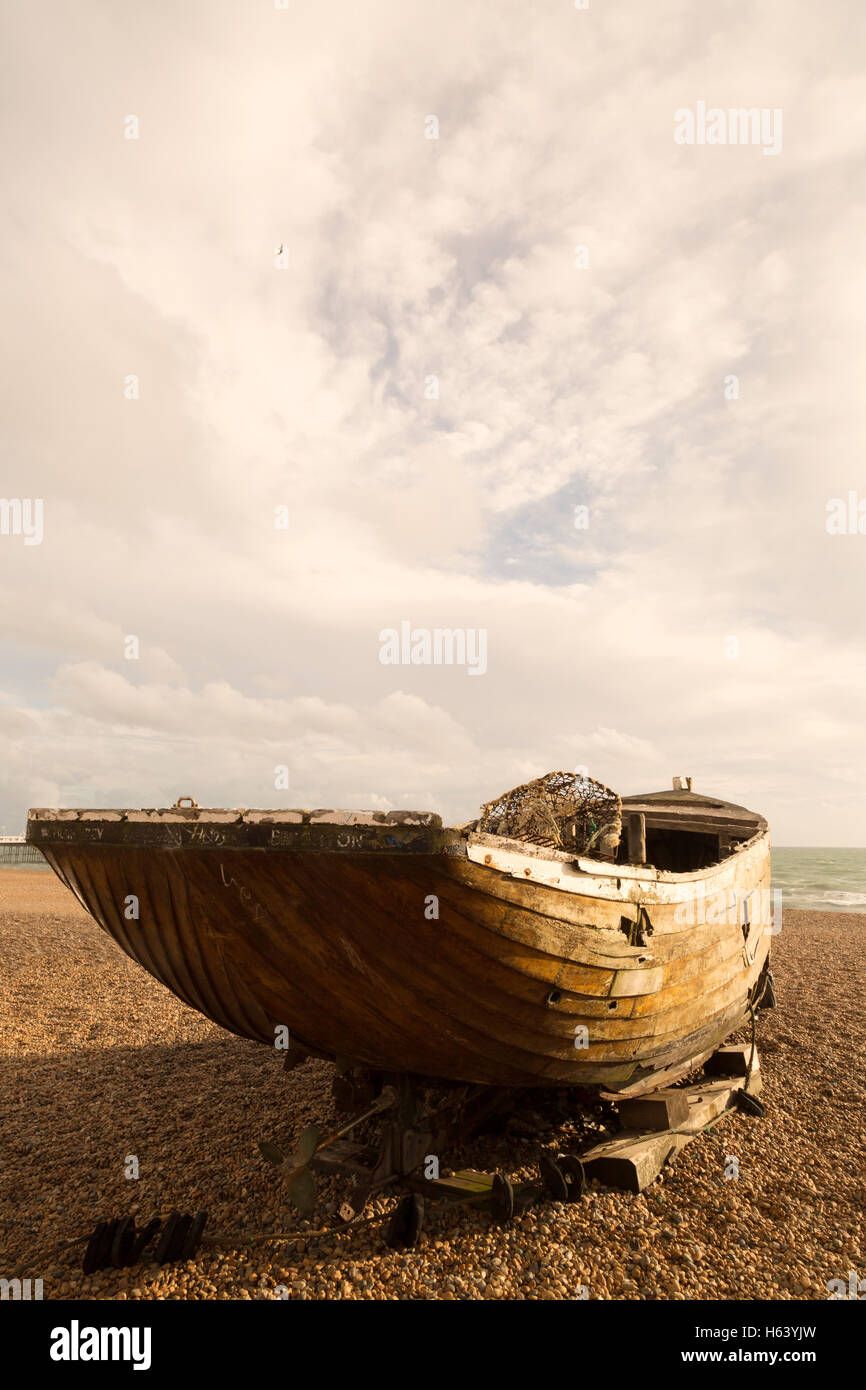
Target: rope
[
  {"x": 232, "y": 1238},
  {"x": 237, "y": 1238},
  {"x": 753, "y": 1015}
]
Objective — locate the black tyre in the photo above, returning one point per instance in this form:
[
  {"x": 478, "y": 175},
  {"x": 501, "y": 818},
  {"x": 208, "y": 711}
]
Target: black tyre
[
  {"x": 574, "y": 1174},
  {"x": 405, "y": 1225},
  {"x": 552, "y": 1179},
  {"x": 502, "y": 1199}
]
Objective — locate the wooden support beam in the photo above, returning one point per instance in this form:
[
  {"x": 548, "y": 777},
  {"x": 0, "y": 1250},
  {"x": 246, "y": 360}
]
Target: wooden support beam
[
  {"x": 636, "y": 1156},
  {"x": 663, "y": 1110},
  {"x": 635, "y": 828},
  {"x": 631, "y": 1161}
]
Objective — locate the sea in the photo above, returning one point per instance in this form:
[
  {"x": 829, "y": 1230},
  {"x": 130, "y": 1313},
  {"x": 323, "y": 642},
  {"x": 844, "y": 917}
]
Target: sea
[{"x": 820, "y": 880}]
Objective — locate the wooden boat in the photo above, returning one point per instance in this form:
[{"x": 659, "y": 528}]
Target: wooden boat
[{"x": 387, "y": 941}]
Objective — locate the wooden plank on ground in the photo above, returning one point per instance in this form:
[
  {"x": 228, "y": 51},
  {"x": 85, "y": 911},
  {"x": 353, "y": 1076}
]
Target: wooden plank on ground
[{"x": 634, "y": 1159}]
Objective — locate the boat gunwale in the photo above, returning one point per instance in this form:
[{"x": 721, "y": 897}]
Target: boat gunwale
[{"x": 385, "y": 833}]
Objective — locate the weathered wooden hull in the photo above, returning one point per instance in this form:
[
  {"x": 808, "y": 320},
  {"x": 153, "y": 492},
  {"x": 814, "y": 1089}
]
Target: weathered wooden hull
[{"x": 336, "y": 937}]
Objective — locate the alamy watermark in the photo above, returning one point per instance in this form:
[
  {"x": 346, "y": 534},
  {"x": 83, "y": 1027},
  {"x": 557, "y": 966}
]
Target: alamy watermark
[
  {"x": 20, "y": 1290},
  {"x": 726, "y": 907},
  {"x": 439, "y": 646},
  {"x": 22, "y": 516},
  {"x": 738, "y": 125},
  {"x": 77, "y": 1343},
  {"x": 846, "y": 516},
  {"x": 852, "y": 1288}
]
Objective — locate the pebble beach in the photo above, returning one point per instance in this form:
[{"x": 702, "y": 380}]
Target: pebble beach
[{"x": 101, "y": 1065}]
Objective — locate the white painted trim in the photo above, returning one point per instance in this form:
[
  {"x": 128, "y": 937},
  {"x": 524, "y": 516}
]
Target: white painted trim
[{"x": 624, "y": 883}]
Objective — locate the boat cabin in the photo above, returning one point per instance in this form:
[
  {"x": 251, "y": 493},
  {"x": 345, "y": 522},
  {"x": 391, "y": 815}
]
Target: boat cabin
[{"x": 681, "y": 830}]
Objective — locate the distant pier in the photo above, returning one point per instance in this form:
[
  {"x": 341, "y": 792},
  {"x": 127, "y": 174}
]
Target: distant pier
[{"x": 14, "y": 849}]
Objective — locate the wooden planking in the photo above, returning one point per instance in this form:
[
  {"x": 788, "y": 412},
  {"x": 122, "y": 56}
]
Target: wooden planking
[
  {"x": 435, "y": 942},
  {"x": 185, "y": 991},
  {"x": 180, "y": 989},
  {"x": 105, "y": 886},
  {"x": 567, "y": 910},
  {"x": 685, "y": 814},
  {"x": 630, "y": 983},
  {"x": 667, "y": 903},
  {"x": 430, "y": 994},
  {"x": 681, "y": 977},
  {"x": 407, "y": 1002},
  {"x": 606, "y": 946}
]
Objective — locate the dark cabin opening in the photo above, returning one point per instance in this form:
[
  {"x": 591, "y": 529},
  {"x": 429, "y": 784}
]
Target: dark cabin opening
[{"x": 678, "y": 851}]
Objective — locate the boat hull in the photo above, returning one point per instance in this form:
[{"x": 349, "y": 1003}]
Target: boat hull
[{"x": 420, "y": 957}]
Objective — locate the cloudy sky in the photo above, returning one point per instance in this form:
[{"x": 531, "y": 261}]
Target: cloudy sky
[{"x": 693, "y": 377}]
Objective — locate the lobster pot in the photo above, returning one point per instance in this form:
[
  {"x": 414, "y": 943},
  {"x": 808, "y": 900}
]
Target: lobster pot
[{"x": 562, "y": 810}]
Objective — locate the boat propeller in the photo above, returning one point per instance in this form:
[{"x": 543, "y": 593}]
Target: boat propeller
[{"x": 300, "y": 1183}]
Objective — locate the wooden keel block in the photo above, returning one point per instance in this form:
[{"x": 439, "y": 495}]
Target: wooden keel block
[
  {"x": 732, "y": 1060},
  {"x": 664, "y": 1110},
  {"x": 631, "y": 1161}
]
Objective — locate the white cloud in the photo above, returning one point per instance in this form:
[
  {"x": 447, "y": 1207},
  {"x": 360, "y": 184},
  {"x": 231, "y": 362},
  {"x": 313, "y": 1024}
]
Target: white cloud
[{"x": 558, "y": 386}]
